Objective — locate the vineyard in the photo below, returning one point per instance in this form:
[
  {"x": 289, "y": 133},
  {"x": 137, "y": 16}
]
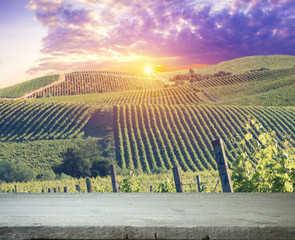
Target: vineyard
[
  {"x": 27, "y": 121},
  {"x": 89, "y": 82},
  {"x": 171, "y": 95},
  {"x": 269, "y": 75},
  {"x": 142, "y": 183},
  {"x": 243, "y": 65},
  {"x": 159, "y": 136},
  {"x": 152, "y": 124}
]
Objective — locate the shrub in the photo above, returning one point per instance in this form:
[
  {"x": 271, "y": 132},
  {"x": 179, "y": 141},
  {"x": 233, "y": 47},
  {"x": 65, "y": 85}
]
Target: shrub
[
  {"x": 131, "y": 183},
  {"x": 11, "y": 171}
]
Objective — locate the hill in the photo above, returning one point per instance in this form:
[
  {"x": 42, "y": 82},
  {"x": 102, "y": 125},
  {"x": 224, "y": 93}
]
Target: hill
[
  {"x": 263, "y": 88},
  {"x": 148, "y": 123},
  {"x": 243, "y": 65},
  {"x": 21, "y": 89}
]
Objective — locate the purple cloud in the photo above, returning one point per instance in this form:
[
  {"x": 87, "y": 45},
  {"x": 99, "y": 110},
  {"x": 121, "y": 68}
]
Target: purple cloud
[{"x": 193, "y": 31}]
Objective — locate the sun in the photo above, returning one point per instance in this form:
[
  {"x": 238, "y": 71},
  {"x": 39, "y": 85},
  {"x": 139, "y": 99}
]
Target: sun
[{"x": 148, "y": 70}]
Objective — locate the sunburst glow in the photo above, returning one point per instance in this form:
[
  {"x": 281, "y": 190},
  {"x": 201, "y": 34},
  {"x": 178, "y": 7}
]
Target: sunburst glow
[{"x": 148, "y": 70}]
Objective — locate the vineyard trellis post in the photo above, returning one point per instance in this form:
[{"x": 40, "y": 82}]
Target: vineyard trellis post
[
  {"x": 78, "y": 188},
  {"x": 221, "y": 161},
  {"x": 65, "y": 189},
  {"x": 178, "y": 179},
  {"x": 114, "y": 178},
  {"x": 88, "y": 183},
  {"x": 199, "y": 183},
  {"x": 15, "y": 188}
]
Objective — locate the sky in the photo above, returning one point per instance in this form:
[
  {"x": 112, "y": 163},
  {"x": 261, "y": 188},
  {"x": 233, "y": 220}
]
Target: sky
[{"x": 41, "y": 37}]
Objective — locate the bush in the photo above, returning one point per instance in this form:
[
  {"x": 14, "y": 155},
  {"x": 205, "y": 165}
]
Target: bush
[
  {"x": 101, "y": 167},
  {"x": 15, "y": 171},
  {"x": 167, "y": 186},
  {"x": 131, "y": 183},
  {"x": 46, "y": 175}
]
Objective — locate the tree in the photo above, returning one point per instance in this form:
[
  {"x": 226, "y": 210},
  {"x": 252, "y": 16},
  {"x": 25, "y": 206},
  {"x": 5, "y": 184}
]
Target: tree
[
  {"x": 76, "y": 163},
  {"x": 84, "y": 161},
  {"x": 101, "y": 167},
  {"x": 15, "y": 171},
  {"x": 191, "y": 73}
]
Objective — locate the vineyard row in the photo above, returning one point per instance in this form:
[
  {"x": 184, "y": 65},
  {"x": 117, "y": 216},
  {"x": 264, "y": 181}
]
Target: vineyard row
[
  {"x": 85, "y": 82},
  {"x": 21, "y": 121},
  {"x": 269, "y": 75},
  {"x": 163, "y": 136}
]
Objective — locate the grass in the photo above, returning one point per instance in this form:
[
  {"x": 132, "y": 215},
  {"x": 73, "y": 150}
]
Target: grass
[
  {"x": 242, "y": 65},
  {"x": 259, "y": 92},
  {"x": 39, "y": 155},
  {"x": 20, "y": 89}
]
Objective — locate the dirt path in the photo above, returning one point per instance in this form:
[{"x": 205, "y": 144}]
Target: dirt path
[
  {"x": 208, "y": 95},
  {"x": 60, "y": 80}
]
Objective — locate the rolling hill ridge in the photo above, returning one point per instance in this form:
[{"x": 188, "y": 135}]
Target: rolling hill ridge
[{"x": 152, "y": 124}]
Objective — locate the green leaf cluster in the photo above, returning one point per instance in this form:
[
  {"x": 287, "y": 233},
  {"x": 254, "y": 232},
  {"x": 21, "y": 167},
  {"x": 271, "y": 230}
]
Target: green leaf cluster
[
  {"x": 275, "y": 168},
  {"x": 131, "y": 183},
  {"x": 167, "y": 186}
]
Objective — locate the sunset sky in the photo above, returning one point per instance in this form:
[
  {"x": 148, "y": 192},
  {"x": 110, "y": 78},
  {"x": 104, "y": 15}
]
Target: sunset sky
[{"x": 41, "y": 37}]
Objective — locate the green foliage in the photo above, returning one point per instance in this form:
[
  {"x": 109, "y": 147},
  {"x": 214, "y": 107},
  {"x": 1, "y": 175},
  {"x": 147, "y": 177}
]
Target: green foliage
[
  {"x": 84, "y": 161},
  {"x": 15, "y": 171},
  {"x": 101, "y": 167},
  {"x": 209, "y": 182},
  {"x": 75, "y": 163},
  {"x": 275, "y": 168},
  {"x": 20, "y": 89},
  {"x": 46, "y": 175},
  {"x": 131, "y": 183},
  {"x": 167, "y": 186},
  {"x": 38, "y": 155}
]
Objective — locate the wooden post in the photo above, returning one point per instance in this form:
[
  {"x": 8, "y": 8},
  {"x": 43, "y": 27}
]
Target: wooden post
[
  {"x": 58, "y": 189},
  {"x": 49, "y": 190},
  {"x": 65, "y": 189},
  {"x": 199, "y": 183},
  {"x": 78, "y": 188},
  {"x": 114, "y": 178},
  {"x": 42, "y": 190},
  {"x": 88, "y": 183},
  {"x": 54, "y": 190},
  {"x": 15, "y": 188},
  {"x": 222, "y": 165},
  {"x": 151, "y": 188},
  {"x": 178, "y": 179}
]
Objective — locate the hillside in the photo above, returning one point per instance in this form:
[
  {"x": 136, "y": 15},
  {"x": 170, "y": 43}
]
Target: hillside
[
  {"x": 21, "y": 89},
  {"x": 263, "y": 88},
  {"x": 147, "y": 123},
  {"x": 243, "y": 65},
  {"x": 153, "y": 136}
]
